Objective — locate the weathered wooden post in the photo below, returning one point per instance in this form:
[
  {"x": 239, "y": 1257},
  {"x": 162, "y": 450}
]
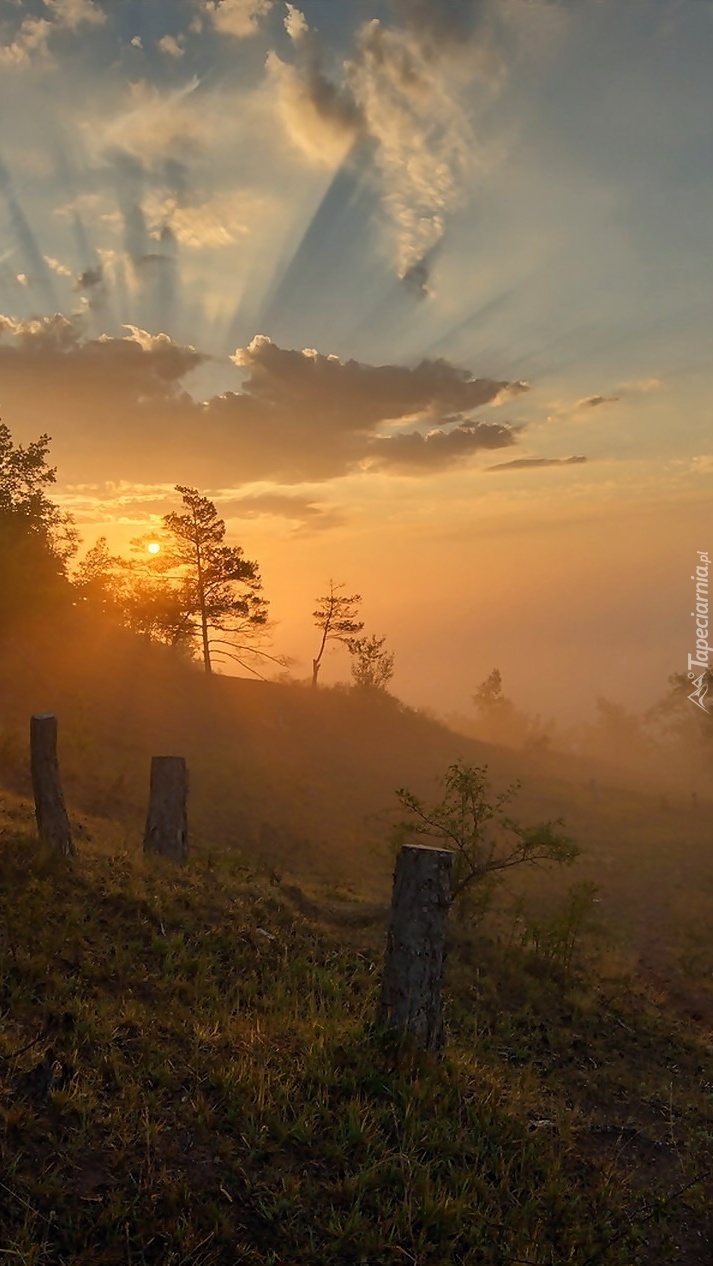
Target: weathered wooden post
[
  {"x": 167, "y": 821},
  {"x": 411, "y": 1000},
  {"x": 50, "y": 811}
]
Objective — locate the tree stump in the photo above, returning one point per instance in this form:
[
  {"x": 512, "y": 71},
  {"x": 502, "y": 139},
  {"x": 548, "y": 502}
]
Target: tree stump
[
  {"x": 50, "y": 811},
  {"x": 411, "y": 1001},
  {"x": 167, "y": 821}
]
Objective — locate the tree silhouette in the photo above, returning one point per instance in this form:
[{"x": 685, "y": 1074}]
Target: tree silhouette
[
  {"x": 36, "y": 537},
  {"x": 219, "y": 589},
  {"x": 183, "y": 586},
  {"x": 372, "y": 665},
  {"x": 336, "y": 617}
]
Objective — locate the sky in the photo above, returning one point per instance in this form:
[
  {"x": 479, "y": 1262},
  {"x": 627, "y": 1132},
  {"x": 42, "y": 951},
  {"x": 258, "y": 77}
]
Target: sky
[{"x": 419, "y": 292}]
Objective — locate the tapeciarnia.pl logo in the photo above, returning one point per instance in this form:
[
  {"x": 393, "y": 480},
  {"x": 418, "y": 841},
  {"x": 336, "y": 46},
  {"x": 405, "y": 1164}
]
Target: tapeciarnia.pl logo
[{"x": 700, "y": 660}]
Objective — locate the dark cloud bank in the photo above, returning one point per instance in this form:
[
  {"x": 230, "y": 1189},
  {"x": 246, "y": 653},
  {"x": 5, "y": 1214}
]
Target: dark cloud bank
[{"x": 118, "y": 408}]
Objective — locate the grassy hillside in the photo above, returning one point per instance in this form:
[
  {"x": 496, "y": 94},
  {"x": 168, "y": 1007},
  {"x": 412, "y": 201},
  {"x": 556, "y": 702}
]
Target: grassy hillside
[
  {"x": 188, "y": 1068},
  {"x": 188, "y": 1074},
  {"x": 304, "y": 781}
]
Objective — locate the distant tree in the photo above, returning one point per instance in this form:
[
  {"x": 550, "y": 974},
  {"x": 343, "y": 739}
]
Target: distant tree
[
  {"x": 486, "y": 840},
  {"x": 498, "y": 718},
  {"x": 615, "y": 734},
  {"x": 372, "y": 665},
  {"x": 489, "y": 699},
  {"x": 336, "y": 618},
  {"x": 682, "y": 722},
  {"x": 36, "y": 537}
]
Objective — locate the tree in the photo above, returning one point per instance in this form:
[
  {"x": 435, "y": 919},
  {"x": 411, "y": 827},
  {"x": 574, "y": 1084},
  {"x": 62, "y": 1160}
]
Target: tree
[
  {"x": 182, "y": 586},
  {"x": 499, "y": 721},
  {"x": 686, "y": 710},
  {"x": 219, "y": 588},
  {"x": 336, "y": 617},
  {"x": 680, "y": 725},
  {"x": 96, "y": 579},
  {"x": 36, "y": 537},
  {"x": 372, "y": 666},
  {"x": 134, "y": 592},
  {"x": 492, "y": 705},
  {"x": 486, "y": 840}
]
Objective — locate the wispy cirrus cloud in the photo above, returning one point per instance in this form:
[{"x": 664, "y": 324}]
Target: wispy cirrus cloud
[
  {"x": 537, "y": 463},
  {"x": 595, "y": 402}
]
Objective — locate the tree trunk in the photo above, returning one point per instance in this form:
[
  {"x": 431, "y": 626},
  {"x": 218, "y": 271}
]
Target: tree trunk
[
  {"x": 315, "y": 671},
  {"x": 50, "y": 811},
  {"x": 411, "y": 999},
  {"x": 206, "y": 644},
  {"x": 167, "y": 822}
]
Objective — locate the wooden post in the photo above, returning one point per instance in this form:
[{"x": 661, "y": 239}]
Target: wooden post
[
  {"x": 415, "y": 949},
  {"x": 50, "y": 811},
  {"x": 167, "y": 821}
]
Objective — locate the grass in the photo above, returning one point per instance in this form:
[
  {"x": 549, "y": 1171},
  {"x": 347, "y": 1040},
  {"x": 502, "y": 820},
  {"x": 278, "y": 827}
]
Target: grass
[{"x": 204, "y": 1086}]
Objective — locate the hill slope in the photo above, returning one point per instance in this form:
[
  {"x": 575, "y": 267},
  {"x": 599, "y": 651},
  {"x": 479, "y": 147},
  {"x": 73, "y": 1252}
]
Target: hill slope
[{"x": 188, "y": 1075}]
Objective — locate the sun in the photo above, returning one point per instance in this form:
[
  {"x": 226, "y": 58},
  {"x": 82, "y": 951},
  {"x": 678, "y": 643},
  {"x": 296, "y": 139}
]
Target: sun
[{"x": 153, "y": 547}]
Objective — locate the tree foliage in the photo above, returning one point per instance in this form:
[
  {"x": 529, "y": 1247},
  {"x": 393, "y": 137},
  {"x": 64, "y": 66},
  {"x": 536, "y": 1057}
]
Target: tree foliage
[
  {"x": 195, "y": 592},
  {"x": 221, "y": 589},
  {"x": 486, "y": 840},
  {"x": 372, "y": 664},
  {"x": 337, "y": 619},
  {"x": 36, "y": 537}
]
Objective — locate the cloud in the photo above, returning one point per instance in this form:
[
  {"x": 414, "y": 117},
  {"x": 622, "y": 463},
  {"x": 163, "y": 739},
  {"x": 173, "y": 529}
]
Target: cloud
[
  {"x": 171, "y": 46},
  {"x": 72, "y": 14},
  {"x": 143, "y": 365},
  {"x": 408, "y": 93},
  {"x": 415, "y": 452},
  {"x": 573, "y": 412},
  {"x": 30, "y": 43},
  {"x": 57, "y": 266},
  {"x": 643, "y": 386},
  {"x": 295, "y": 508},
  {"x": 90, "y": 279},
  {"x": 120, "y": 405},
  {"x": 593, "y": 402},
  {"x": 440, "y": 22},
  {"x": 31, "y": 40},
  {"x": 536, "y": 463},
  {"x": 120, "y": 501},
  {"x": 238, "y": 18},
  {"x": 321, "y": 119},
  {"x": 295, "y": 22},
  {"x": 153, "y": 126},
  {"x": 220, "y": 221},
  {"x": 363, "y": 395}
]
